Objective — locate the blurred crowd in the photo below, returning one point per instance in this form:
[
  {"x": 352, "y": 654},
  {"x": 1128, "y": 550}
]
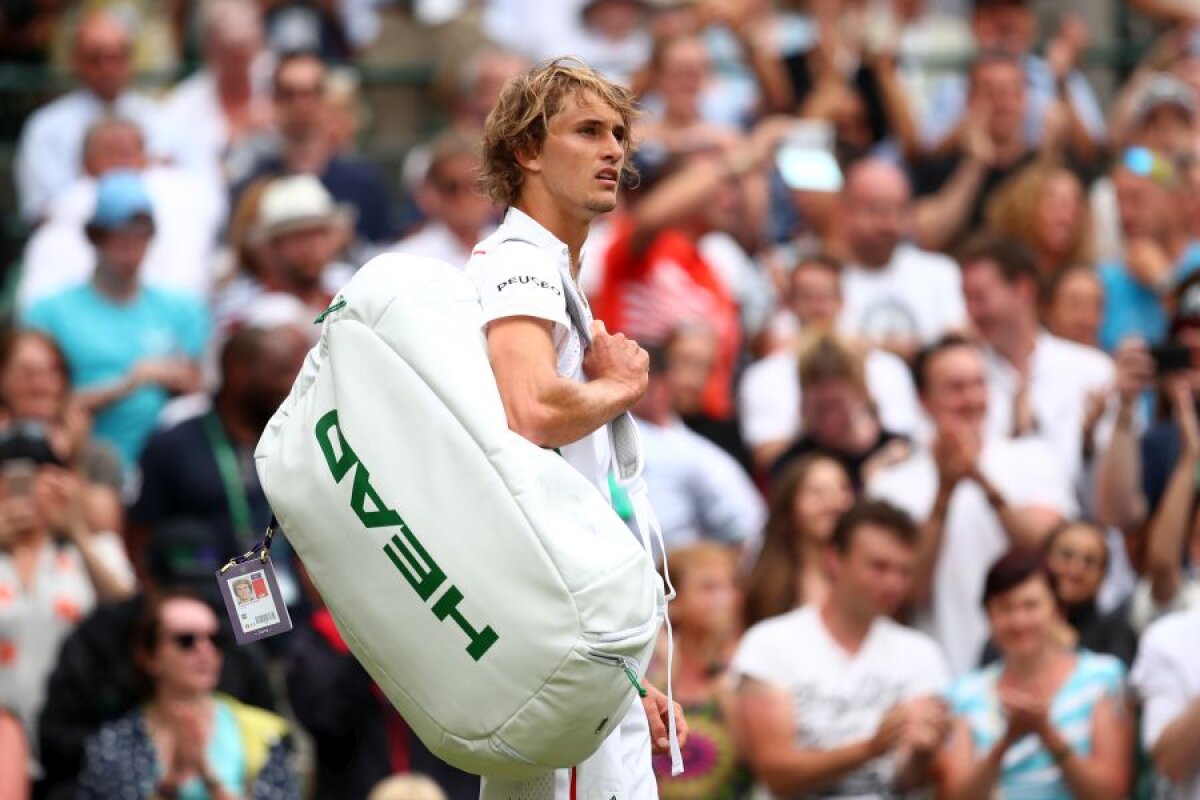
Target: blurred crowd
[{"x": 920, "y": 282}]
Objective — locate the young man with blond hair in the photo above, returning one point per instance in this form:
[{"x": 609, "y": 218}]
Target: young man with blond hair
[{"x": 555, "y": 150}]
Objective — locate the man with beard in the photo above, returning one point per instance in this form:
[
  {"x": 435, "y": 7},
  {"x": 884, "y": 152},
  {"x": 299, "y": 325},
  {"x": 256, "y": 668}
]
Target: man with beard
[{"x": 200, "y": 473}]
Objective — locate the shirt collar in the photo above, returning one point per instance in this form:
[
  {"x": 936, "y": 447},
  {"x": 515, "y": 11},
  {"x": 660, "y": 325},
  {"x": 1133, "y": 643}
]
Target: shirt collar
[{"x": 531, "y": 230}]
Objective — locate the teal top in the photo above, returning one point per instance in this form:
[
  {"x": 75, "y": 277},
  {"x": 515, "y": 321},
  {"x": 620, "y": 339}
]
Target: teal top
[{"x": 1028, "y": 771}]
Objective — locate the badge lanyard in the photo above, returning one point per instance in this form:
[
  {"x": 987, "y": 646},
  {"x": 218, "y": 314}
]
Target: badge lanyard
[{"x": 231, "y": 477}]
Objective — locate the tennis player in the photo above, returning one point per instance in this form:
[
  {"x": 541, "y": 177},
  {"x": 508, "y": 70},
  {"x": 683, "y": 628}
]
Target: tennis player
[{"x": 555, "y": 150}]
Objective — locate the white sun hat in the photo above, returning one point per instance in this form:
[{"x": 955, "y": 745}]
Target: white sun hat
[{"x": 296, "y": 202}]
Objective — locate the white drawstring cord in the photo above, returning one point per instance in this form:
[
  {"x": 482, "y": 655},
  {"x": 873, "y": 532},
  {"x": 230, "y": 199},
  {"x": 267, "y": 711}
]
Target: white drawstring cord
[{"x": 647, "y": 524}]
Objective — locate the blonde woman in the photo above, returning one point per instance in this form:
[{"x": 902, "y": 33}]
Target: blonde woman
[{"x": 1045, "y": 208}]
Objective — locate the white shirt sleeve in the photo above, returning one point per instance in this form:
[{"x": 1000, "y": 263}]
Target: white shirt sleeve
[
  {"x": 1043, "y": 481},
  {"x": 758, "y": 656},
  {"x": 931, "y": 675},
  {"x": 1160, "y": 686},
  {"x": 519, "y": 280},
  {"x": 41, "y": 170}
]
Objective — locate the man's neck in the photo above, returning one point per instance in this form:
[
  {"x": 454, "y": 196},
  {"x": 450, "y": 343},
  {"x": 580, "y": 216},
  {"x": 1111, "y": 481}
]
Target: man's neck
[
  {"x": 848, "y": 630},
  {"x": 1018, "y": 346},
  {"x": 240, "y": 430},
  {"x": 119, "y": 290},
  {"x": 309, "y": 292},
  {"x": 567, "y": 225},
  {"x": 306, "y": 154}
]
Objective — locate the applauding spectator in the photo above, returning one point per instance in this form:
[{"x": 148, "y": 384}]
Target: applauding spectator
[
  {"x": 973, "y": 493},
  {"x": 187, "y": 740},
  {"x": 836, "y": 698},
  {"x": 1066, "y": 732}
]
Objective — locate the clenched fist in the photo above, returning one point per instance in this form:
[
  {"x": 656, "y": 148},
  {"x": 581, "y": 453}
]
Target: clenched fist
[{"x": 617, "y": 358}]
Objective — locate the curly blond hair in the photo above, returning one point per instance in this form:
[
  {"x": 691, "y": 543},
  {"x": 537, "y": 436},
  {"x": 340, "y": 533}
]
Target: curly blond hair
[
  {"x": 521, "y": 119},
  {"x": 1013, "y": 212}
]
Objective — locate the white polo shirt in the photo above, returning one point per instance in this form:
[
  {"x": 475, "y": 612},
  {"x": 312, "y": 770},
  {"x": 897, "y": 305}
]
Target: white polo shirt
[
  {"x": 1027, "y": 475},
  {"x": 521, "y": 271},
  {"x": 1061, "y": 375}
]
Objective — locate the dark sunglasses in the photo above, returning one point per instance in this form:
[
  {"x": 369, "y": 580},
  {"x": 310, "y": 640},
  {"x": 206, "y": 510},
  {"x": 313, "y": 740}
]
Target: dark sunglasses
[{"x": 187, "y": 641}]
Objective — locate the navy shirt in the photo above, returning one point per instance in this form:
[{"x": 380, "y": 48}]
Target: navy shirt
[
  {"x": 350, "y": 181},
  {"x": 181, "y": 481}
]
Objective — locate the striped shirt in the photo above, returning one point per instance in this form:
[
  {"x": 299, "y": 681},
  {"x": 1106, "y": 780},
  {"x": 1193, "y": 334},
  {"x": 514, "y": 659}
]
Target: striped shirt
[{"x": 1028, "y": 771}]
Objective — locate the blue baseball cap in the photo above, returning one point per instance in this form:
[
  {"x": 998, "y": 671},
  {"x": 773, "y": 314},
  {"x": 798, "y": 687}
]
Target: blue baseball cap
[{"x": 120, "y": 197}]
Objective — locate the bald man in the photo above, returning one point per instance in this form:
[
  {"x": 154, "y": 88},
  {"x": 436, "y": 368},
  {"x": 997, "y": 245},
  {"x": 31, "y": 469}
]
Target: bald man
[
  {"x": 50, "y": 152},
  {"x": 897, "y": 296}
]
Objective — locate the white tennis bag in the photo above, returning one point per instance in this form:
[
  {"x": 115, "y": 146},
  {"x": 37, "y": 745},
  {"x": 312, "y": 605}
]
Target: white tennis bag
[{"x": 489, "y": 590}]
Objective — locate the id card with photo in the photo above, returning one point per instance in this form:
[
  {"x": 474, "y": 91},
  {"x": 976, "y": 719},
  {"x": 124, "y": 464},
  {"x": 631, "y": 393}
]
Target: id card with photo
[{"x": 253, "y": 601}]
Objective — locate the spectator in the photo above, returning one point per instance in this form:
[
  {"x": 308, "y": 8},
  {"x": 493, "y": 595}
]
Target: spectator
[
  {"x": 457, "y": 213},
  {"x": 614, "y": 38},
  {"x": 1074, "y": 306},
  {"x": 49, "y": 155},
  {"x": 954, "y": 188},
  {"x": 1038, "y": 384},
  {"x": 677, "y": 73},
  {"x": 305, "y": 149},
  {"x": 704, "y": 616},
  {"x": 769, "y": 398},
  {"x": 1167, "y": 682},
  {"x": 359, "y": 737},
  {"x": 850, "y": 77},
  {"x": 1158, "y": 250},
  {"x": 300, "y": 232},
  {"x": 837, "y": 699},
  {"x": 898, "y": 296},
  {"x": 188, "y": 215},
  {"x": 973, "y": 493},
  {"x": 54, "y": 566},
  {"x": 186, "y": 739},
  {"x": 1044, "y": 207},
  {"x": 298, "y": 26},
  {"x": 1156, "y": 111},
  {"x": 222, "y": 113},
  {"x": 1068, "y": 732},
  {"x": 837, "y": 418},
  {"x": 95, "y": 682},
  {"x": 128, "y": 344},
  {"x": 691, "y": 352},
  {"x": 697, "y": 489},
  {"x": 35, "y": 388},
  {"x": 790, "y": 570},
  {"x": 201, "y": 472},
  {"x": 1059, "y": 94},
  {"x": 1077, "y": 556},
  {"x": 14, "y": 758}
]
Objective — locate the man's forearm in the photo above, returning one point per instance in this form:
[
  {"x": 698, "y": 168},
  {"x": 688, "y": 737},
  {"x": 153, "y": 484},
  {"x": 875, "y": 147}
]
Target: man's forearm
[
  {"x": 930, "y": 543},
  {"x": 1022, "y": 529},
  {"x": 568, "y": 410},
  {"x": 1168, "y": 530},
  {"x": 1118, "y": 497},
  {"x": 937, "y": 219},
  {"x": 807, "y": 771}
]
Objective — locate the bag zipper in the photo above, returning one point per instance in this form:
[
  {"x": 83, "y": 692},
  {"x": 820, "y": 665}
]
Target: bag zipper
[
  {"x": 629, "y": 665},
  {"x": 628, "y": 633}
]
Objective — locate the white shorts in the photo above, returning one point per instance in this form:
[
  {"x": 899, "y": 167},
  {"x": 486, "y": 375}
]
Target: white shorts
[{"x": 619, "y": 770}]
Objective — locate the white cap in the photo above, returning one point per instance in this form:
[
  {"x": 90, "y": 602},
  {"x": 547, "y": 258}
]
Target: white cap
[{"x": 296, "y": 202}]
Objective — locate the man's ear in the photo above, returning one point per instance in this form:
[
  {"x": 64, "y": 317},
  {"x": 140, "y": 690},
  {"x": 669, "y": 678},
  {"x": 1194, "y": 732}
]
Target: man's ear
[{"x": 529, "y": 158}]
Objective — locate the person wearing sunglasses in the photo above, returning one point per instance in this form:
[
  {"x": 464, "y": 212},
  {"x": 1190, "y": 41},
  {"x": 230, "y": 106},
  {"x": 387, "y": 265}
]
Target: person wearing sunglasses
[{"x": 186, "y": 741}]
